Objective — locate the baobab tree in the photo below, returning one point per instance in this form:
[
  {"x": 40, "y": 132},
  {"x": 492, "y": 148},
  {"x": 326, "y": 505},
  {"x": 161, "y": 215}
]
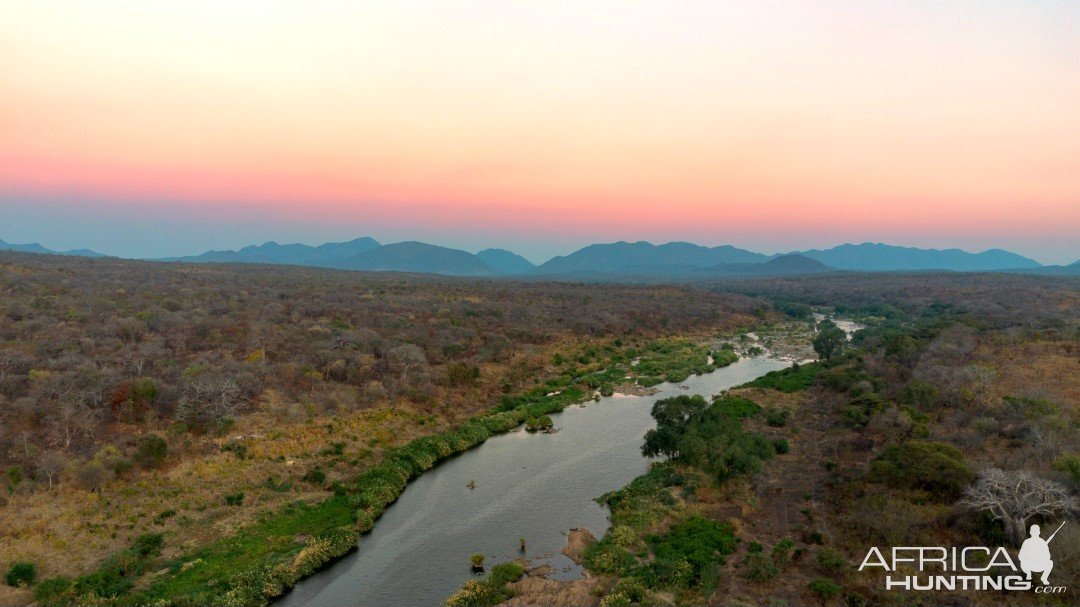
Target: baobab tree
[{"x": 1015, "y": 496}]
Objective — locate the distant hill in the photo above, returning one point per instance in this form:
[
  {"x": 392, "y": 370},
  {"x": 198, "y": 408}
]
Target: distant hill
[
  {"x": 418, "y": 257},
  {"x": 793, "y": 263},
  {"x": 36, "y": 248},
  {"x": 618, "y": 261},
  {"x": 875, "y": 257},
  {"x": 630, "y": 258},
  {"x": 505, "y": 262},
  {"x": 324, "y": 255},
  {"x": 781, "y": 265}
]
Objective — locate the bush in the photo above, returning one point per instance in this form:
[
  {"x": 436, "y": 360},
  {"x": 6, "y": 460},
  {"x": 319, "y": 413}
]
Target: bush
[
  {"x": 792, "y": 379},
  {"x": 21, "y": 574},
  {"x": 92, "y": 475},
  {"x": 1070, "y": 465},
  {"x": 54, "y": 591},
  {"x": 782, "y": 553},
  {"x": 830, "y": 560},
  {"x": 234, "y": 499},
  {"x": 315, "y": 476},
  {"x": 537, "y": 424},
  {"x": 933, "y": 467},
  {"x": 781, "y": 446},
  {"x": 736, "y": 406},
  {"x": 504, "y": 573},
  {"x": 759, "y": 567},
  {"x": 489, "y": 591},
  {"x": 777, "y": 418},
  {"x": 150, "y": 450},
  {"x": 148, "y": 544},
  {"x": 699, "y": 541},
  {"x": 14, "y": 476},
  {"x": 724, "y": 357},
  {"x": 826, "y": 590}
]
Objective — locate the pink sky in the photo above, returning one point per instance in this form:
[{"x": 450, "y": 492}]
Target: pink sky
[{"x": 765, "y": 124}]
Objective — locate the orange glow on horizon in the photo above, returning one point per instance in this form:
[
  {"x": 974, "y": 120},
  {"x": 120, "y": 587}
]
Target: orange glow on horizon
[{"x": 745, "y": 116}]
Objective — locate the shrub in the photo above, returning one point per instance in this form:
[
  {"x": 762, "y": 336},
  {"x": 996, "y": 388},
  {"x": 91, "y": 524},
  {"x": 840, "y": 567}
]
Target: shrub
[
  {"x": 724, "y": 357},
  {"x": 234, "y": 499},
  {"x": 776, "y": 417},
  {"x": 237, "y": 448},
  {"x": 92, "y": 475},
  {"x": 504, "y": 573},
  {"x": 537, "y": 424},
  {"x": 830, "y": 560},
  {"x": 736, "y": 406},
  {"x": 14, "y": 476},
  {"x": 699, "y": 541},
  {"x": 150, "y": 450},
  {"x": 315, "y": 476},
  {"x": 148, "y": 544},
  {"x": 782, "y": 553},
  {"x": 21, "y": 573},
  {"x": 934, "y": 467},
  {"x": 792, "y": 379},
  {"x": 1070, "y": 465},
  {"x": 826, "y": 590},
  {"x": 55, "y": 591},
  {"x": 781, "y": 446},
  {"x": 759, "y": 567}
]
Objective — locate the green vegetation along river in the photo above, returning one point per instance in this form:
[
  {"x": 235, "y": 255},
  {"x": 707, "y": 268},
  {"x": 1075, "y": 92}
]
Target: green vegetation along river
[{"x": 532, "y": 486}]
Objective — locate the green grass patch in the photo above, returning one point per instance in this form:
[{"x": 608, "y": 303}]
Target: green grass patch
[{"x": 793, "y": 379}]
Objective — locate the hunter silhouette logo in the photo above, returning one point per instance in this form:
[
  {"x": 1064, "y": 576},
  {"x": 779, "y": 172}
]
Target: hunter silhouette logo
[
  {"x": 1035, "y": 554},
  {"x": 939, "y": 568}
]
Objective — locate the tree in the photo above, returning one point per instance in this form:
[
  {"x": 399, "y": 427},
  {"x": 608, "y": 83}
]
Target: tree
[
  {"x": 150, "y": 450},
  {"x": 672, "y": 417},
  {"x": 208, "y": 401},
  {"x": 50, "y": 464},
  {"x": 409, "y": 364},
  {"x": 830, "y": 340},
  {"x": 925, "y": 465},
  {"x": 1016, "y": 496},
  {"x": 825, "y": 589}
]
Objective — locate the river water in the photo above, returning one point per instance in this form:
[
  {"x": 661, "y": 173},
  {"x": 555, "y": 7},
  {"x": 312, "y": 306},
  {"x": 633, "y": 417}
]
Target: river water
[{"x": 536, "y": 486}]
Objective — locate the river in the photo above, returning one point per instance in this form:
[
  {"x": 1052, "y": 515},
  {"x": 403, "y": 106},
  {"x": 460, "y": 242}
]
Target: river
[{"x": 535, "y": 486}]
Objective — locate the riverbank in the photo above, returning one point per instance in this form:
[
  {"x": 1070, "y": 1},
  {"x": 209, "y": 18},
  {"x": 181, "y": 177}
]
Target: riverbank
[
  {"x": 658, "y": 515},
  {"x": 261, "y": 560}
]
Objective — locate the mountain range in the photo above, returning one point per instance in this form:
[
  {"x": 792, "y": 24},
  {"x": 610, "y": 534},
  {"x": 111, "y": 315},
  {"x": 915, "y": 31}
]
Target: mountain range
[
  {"x": 36, "y": 248},
  {"x": 615, "y": 261}
]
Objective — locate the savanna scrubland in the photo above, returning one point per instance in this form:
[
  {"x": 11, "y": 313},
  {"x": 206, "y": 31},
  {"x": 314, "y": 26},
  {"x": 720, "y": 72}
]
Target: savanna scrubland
[
  {"x": 150, "y": 410},
  {"x": 950, "y": 420},
  {"x": 176, "y": 434}
]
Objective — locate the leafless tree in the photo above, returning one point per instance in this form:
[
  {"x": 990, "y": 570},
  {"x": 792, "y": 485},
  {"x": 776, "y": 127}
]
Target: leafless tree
[
  {"x": 50, "y": 464},
  {"x": 409, "y": 364},
  {"x": 70, "y": 419},
  {"x": 207, "y": 401},
  {"x": 1015, "y": 496}
]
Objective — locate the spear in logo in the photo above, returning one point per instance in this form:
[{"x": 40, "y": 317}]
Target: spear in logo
[{"x": 1049, "y": 539}]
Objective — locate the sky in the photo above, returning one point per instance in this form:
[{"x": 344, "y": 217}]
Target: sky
[{"x": 147, "y": 129}]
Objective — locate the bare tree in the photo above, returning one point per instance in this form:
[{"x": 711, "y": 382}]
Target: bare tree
[
  {"x": 208, "y": 401},
  {"x": 50, "y": 464},
  {"x": 68, "y": 420},
  {"x": 1015, "y": 496},
  {"x": 409, "y": 363}
]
